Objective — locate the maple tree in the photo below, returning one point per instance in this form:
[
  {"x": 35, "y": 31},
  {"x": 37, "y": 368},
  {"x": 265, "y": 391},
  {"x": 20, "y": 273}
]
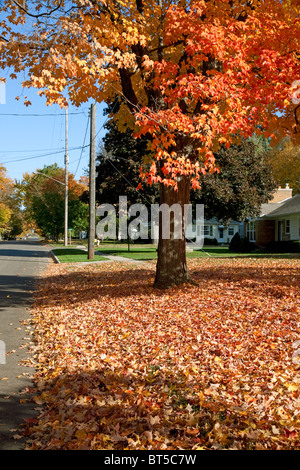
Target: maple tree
[{"x": 191, "y": 75}]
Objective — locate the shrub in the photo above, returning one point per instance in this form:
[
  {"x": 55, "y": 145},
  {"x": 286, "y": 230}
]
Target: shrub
[
  {"x": 235, "y": 242},
  {"x": 210, "y": 241},
  {"x": 292, "y": 246},
  {"x": 241, "y": 245}
]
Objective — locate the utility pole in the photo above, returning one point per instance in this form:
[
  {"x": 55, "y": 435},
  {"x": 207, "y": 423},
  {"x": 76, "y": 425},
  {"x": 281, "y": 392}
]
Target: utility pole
[
  {"x": 66, "y": 181},
  {"x": 92, "y": 183}
]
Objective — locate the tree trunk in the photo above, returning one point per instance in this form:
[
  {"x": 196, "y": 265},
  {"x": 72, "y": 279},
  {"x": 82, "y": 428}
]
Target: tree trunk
[{"x": 171, "y": 268}]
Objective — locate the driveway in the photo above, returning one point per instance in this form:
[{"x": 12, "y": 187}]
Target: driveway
[{"x": 21, "y": 263}]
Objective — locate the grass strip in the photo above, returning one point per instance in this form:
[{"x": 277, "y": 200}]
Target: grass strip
[{"x": 75, "y": 255}]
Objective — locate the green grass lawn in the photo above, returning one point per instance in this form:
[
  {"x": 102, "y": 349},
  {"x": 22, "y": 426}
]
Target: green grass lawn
[
  {"x": 148, "y": 252},
  {"x": 138, "y": 252},
  {"x": 74, "y": 255}
]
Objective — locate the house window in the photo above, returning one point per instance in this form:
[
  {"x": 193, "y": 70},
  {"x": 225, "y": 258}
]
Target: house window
[
  {"x": 251, "y": 231},
  {"x": 208, "y": 230},
  {"x": 230, "y": 230},
  {"x": 287, "y": 227}
]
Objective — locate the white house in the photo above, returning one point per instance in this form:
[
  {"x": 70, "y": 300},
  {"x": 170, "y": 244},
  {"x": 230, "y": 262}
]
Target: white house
[
  {"x": 279, "y": 219},
  {"x": 212, "y": 229}
]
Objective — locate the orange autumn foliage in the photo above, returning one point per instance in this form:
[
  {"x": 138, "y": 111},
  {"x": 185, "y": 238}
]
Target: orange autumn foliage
[{"x": 191, "y": 73}]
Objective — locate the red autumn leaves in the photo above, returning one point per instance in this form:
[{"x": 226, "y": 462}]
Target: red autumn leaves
[{"x": 124, "y": 366}]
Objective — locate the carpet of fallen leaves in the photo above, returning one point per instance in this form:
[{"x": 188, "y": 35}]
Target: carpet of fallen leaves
[{"x": 121, "y": 365}]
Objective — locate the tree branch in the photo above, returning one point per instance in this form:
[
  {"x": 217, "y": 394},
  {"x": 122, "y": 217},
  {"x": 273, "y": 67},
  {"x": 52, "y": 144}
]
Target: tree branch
[
  {"x": 140, "y": 6},
  {"x": 49, "y": 13},
  {"x": 128, "y": 91},
  {"x": 295, "y": 114}
]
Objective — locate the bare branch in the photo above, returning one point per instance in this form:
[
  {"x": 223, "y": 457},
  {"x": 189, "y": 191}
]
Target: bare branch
[{"x": 23, "y": 8}]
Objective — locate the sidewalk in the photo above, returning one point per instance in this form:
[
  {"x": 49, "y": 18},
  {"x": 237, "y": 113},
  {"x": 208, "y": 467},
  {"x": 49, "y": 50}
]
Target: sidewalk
[{"x": 120, "y": 258}]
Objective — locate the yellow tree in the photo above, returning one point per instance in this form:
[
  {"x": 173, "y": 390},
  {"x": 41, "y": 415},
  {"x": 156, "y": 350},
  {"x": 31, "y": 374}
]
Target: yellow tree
[
  {"x": 6, "y": 187},
  {"x": 191, "y": 75},
  {"x": 284, "y": 159}
]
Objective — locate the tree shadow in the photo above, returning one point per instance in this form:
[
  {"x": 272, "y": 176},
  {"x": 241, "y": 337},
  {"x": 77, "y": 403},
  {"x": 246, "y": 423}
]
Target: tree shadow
[
  {"x": 117, "y": 410},
  {"x": 251, "y": 275},
  {"x": 85, "y": 285},
  {"x": 14, "y": 413},
  {"x": 16, "y": 291},
  {"x": 16, "y": 249}
]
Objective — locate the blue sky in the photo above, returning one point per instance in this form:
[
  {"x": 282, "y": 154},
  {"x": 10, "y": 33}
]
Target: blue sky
[{"x": 29, "y": 139}]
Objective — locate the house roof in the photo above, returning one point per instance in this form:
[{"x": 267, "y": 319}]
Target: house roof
[
  {"x": 291, "y": 206},
  {"x": 215, "y": 221},
  {"x": 269, "y": 207}
]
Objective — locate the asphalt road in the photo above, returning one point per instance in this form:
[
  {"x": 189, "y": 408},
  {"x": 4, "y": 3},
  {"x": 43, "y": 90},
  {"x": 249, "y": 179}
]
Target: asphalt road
[{"x": 21, "y": 263}]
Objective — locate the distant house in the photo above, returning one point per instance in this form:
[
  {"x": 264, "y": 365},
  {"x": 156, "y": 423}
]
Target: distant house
[
  {"x": 279, "y": 219},
  {"x": 213, "y": 229}
]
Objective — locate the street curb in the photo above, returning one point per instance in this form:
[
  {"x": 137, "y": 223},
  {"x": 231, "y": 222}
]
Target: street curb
[{"x": 56, "y": 260}]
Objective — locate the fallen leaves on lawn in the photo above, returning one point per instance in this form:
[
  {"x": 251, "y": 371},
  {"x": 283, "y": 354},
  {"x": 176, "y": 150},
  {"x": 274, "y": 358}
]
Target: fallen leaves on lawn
[{"x": 121, "y": 365}]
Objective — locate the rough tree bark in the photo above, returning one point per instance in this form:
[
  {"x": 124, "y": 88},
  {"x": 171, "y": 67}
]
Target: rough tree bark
[{"x": 171, "y": 266}]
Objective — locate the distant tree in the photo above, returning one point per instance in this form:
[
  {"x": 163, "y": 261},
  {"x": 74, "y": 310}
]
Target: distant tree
[
  {"x": 119, "y": 159},
  {"x": 244, "y": 183},
  {"x": 284, "y": 159},
  {"x": 43, "y": 194},
  {"x": 16, "y": 224},
  {"x": 5, "y": 191},
  {"x": 11, "y": 218},
  {"x": 4, "y": 218}
]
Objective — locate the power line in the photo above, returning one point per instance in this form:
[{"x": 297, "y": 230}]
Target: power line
[
  {"x": 83, "y": 146},
  {"x": 38, "y": 115},
  {"x": 128, "y": 182},
  {"x": 29, "y": 150},
  {"x": 108, "y": 117},
  {"x": 44, "y": 155}
]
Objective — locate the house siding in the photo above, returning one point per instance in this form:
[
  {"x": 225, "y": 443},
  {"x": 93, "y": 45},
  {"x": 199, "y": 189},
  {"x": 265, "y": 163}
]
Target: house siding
[{"x": 294, "y": 227}]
